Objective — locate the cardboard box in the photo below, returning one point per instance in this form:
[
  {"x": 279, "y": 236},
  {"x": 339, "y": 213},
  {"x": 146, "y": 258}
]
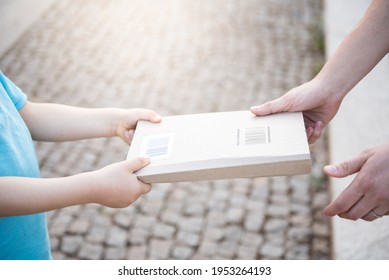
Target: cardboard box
[{"x": 221, "y": 145}]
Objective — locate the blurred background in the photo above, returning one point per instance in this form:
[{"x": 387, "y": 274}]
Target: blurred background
[{"x": 176, "y": 57}]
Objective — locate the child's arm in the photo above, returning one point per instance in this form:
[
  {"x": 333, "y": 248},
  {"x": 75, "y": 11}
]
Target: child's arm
[
  {"x": 114, "y": 185},
  {"x": 55, "y": 122}
]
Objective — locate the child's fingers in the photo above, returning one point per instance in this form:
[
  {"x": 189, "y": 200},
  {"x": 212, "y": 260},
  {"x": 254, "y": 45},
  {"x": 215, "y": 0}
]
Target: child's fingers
[
  {"x": 145, "y": 187},
  {"x": 148, "y": 115},
  {"x": 128, "y": 135},
  {"x": 137, "y": 163}
]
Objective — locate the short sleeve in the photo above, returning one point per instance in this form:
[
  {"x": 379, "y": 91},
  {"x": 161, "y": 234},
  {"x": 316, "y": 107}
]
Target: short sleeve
[{"x": 17, "y": 96}]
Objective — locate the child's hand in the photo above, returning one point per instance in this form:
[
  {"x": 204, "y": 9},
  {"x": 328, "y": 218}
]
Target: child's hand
[
  {"x": 126, "y": 124},
  {"x": 116, "y": 186}
]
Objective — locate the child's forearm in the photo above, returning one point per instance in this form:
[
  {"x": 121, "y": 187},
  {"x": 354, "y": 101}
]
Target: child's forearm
[
  {"x": 55, "y": 122},
  {"x": 20, "y": 196},
  {"x": 361, "y": 50}
]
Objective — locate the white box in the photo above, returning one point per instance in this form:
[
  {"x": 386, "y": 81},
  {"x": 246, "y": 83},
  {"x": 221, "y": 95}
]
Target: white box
[{"x": 221, "y": 145}]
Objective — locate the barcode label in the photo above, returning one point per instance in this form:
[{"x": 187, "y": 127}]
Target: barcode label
[
  {"x": 253, "y": 135},
  {"x": 157, "y": 146}
]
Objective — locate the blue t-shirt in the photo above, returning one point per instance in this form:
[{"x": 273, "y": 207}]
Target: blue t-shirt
[{"x": 21, "y": 237}]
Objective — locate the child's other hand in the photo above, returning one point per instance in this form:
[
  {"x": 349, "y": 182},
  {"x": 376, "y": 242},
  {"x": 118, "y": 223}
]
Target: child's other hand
[
  {"x": 116, "y": 186},
  {"x": 125, "y": 126}
]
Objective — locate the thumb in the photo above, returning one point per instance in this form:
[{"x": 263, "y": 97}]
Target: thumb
[
  {"x": 148, "y": 115},
  {"x": 345, "y": 168},
  {"x": 275, "y": 106},
  {"x": 137, "y": 163}
]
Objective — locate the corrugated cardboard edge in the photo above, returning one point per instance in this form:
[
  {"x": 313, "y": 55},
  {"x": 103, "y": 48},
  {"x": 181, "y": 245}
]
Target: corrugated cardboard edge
[{"x": 285, "y": 168}]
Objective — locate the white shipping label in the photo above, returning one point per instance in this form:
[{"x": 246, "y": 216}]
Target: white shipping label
[{"x": 157, "y": 146}]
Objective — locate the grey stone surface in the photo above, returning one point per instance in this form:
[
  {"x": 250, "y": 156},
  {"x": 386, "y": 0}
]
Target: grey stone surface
[{"x": 176, "y": 57}]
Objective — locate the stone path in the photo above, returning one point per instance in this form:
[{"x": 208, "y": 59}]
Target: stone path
[{"x": 177, "y": 57}]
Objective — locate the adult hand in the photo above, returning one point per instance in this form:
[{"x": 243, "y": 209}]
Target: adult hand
[
  {"x": 367, "y": 197},
  {"x": 318, "y": 105},
  {"x": 126, "y": 123}
]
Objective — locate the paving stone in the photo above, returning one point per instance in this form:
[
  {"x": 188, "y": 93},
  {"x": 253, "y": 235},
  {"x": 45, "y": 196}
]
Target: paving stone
[
  {"x": 170, "y": 217},
  {"x": 300, "y": 220},
  {"x": 101, "y": 220},
  {"x": 321, "y": 229},
  {"x": 320, "y": 200},
  {"x": 300, "y": 183},
  {"x": 163, "y": 231},
  {"x": 116, "y": 237},
  {"x": 279, "y": 200},
  {"x": 54, "y": 243},
  {"x": 227, "y": 249},
  {"x": 151, "y": 207},
  {"x": 213, "y": 233},
  {"x": 216, "y": 218},
  {"x": 138, "y": 236},
  {"x": 250, "y": 239},
  {"x": 260, "y": 189},
  {"x": 182, "y": 253},
  {"x": 233, "y": 232},
  {"x": 137, "y": 252},
  {"x": 217, "y": 205},
  {"x": 253, "y": 221},
  {"x": 279, "y": 185},
  {"x": 256, "y": 205},
  {"x": 79, "y": 226},
  {"x": 247, "y": 252},
  {"x": 71, "y": 244},
  {"x": 320, "y": 247},
  {"x": 235, "y": 215},
  {"x": 115, "y": 253},
  {"x": 272, "y": 251},
  {"x": 123, "y": 220},
  {"x": 192, "y": 224},
  {"x": 278, "y": 211},
  {"x": 160, "y": 249},
  {"x": 96, "y": 234},
  {"x": 237, "y": 200},
  {"x": 207, "y": 248},
  {"x": 300, "y": 209},
  {"x": 90, "y": 251},
  {"x": 194, "y": 208},
  {"x": 188, "y": 238},
  {"x": 300, "y": 234},
  {"x": 57, "y": 255},
  {"x": 145, "y": 222},
  {"x": 298, "y": 252},
  {"x": 60, "y": 225}
]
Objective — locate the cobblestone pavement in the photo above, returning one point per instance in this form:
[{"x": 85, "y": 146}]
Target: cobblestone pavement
[{"x": 177, "y": 57}]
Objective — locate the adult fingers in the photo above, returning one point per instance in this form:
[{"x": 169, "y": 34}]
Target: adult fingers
[
  {"x": 316, "y": 132},
  {"x": 360, "y": 210},
  {"x": 347, "y": 199},
  {"x": 275, "y": 106},
  {"x": 347, "y": 167}
]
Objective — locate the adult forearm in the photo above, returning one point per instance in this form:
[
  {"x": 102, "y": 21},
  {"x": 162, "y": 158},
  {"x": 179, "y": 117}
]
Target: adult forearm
[
  {"x": 361, "y": 50},
  {"x": 20, "y": 196},
  {"x": 55, "y": 122}
]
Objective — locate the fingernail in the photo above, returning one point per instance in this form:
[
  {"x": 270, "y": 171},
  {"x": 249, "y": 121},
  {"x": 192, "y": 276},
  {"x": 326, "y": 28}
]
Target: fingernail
[
  {"x": 255, "y": 109},
  {"x": 332, "y": 169},
  {"x": 129, "y": 134},
  {"x": 157, "y": 118}
]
